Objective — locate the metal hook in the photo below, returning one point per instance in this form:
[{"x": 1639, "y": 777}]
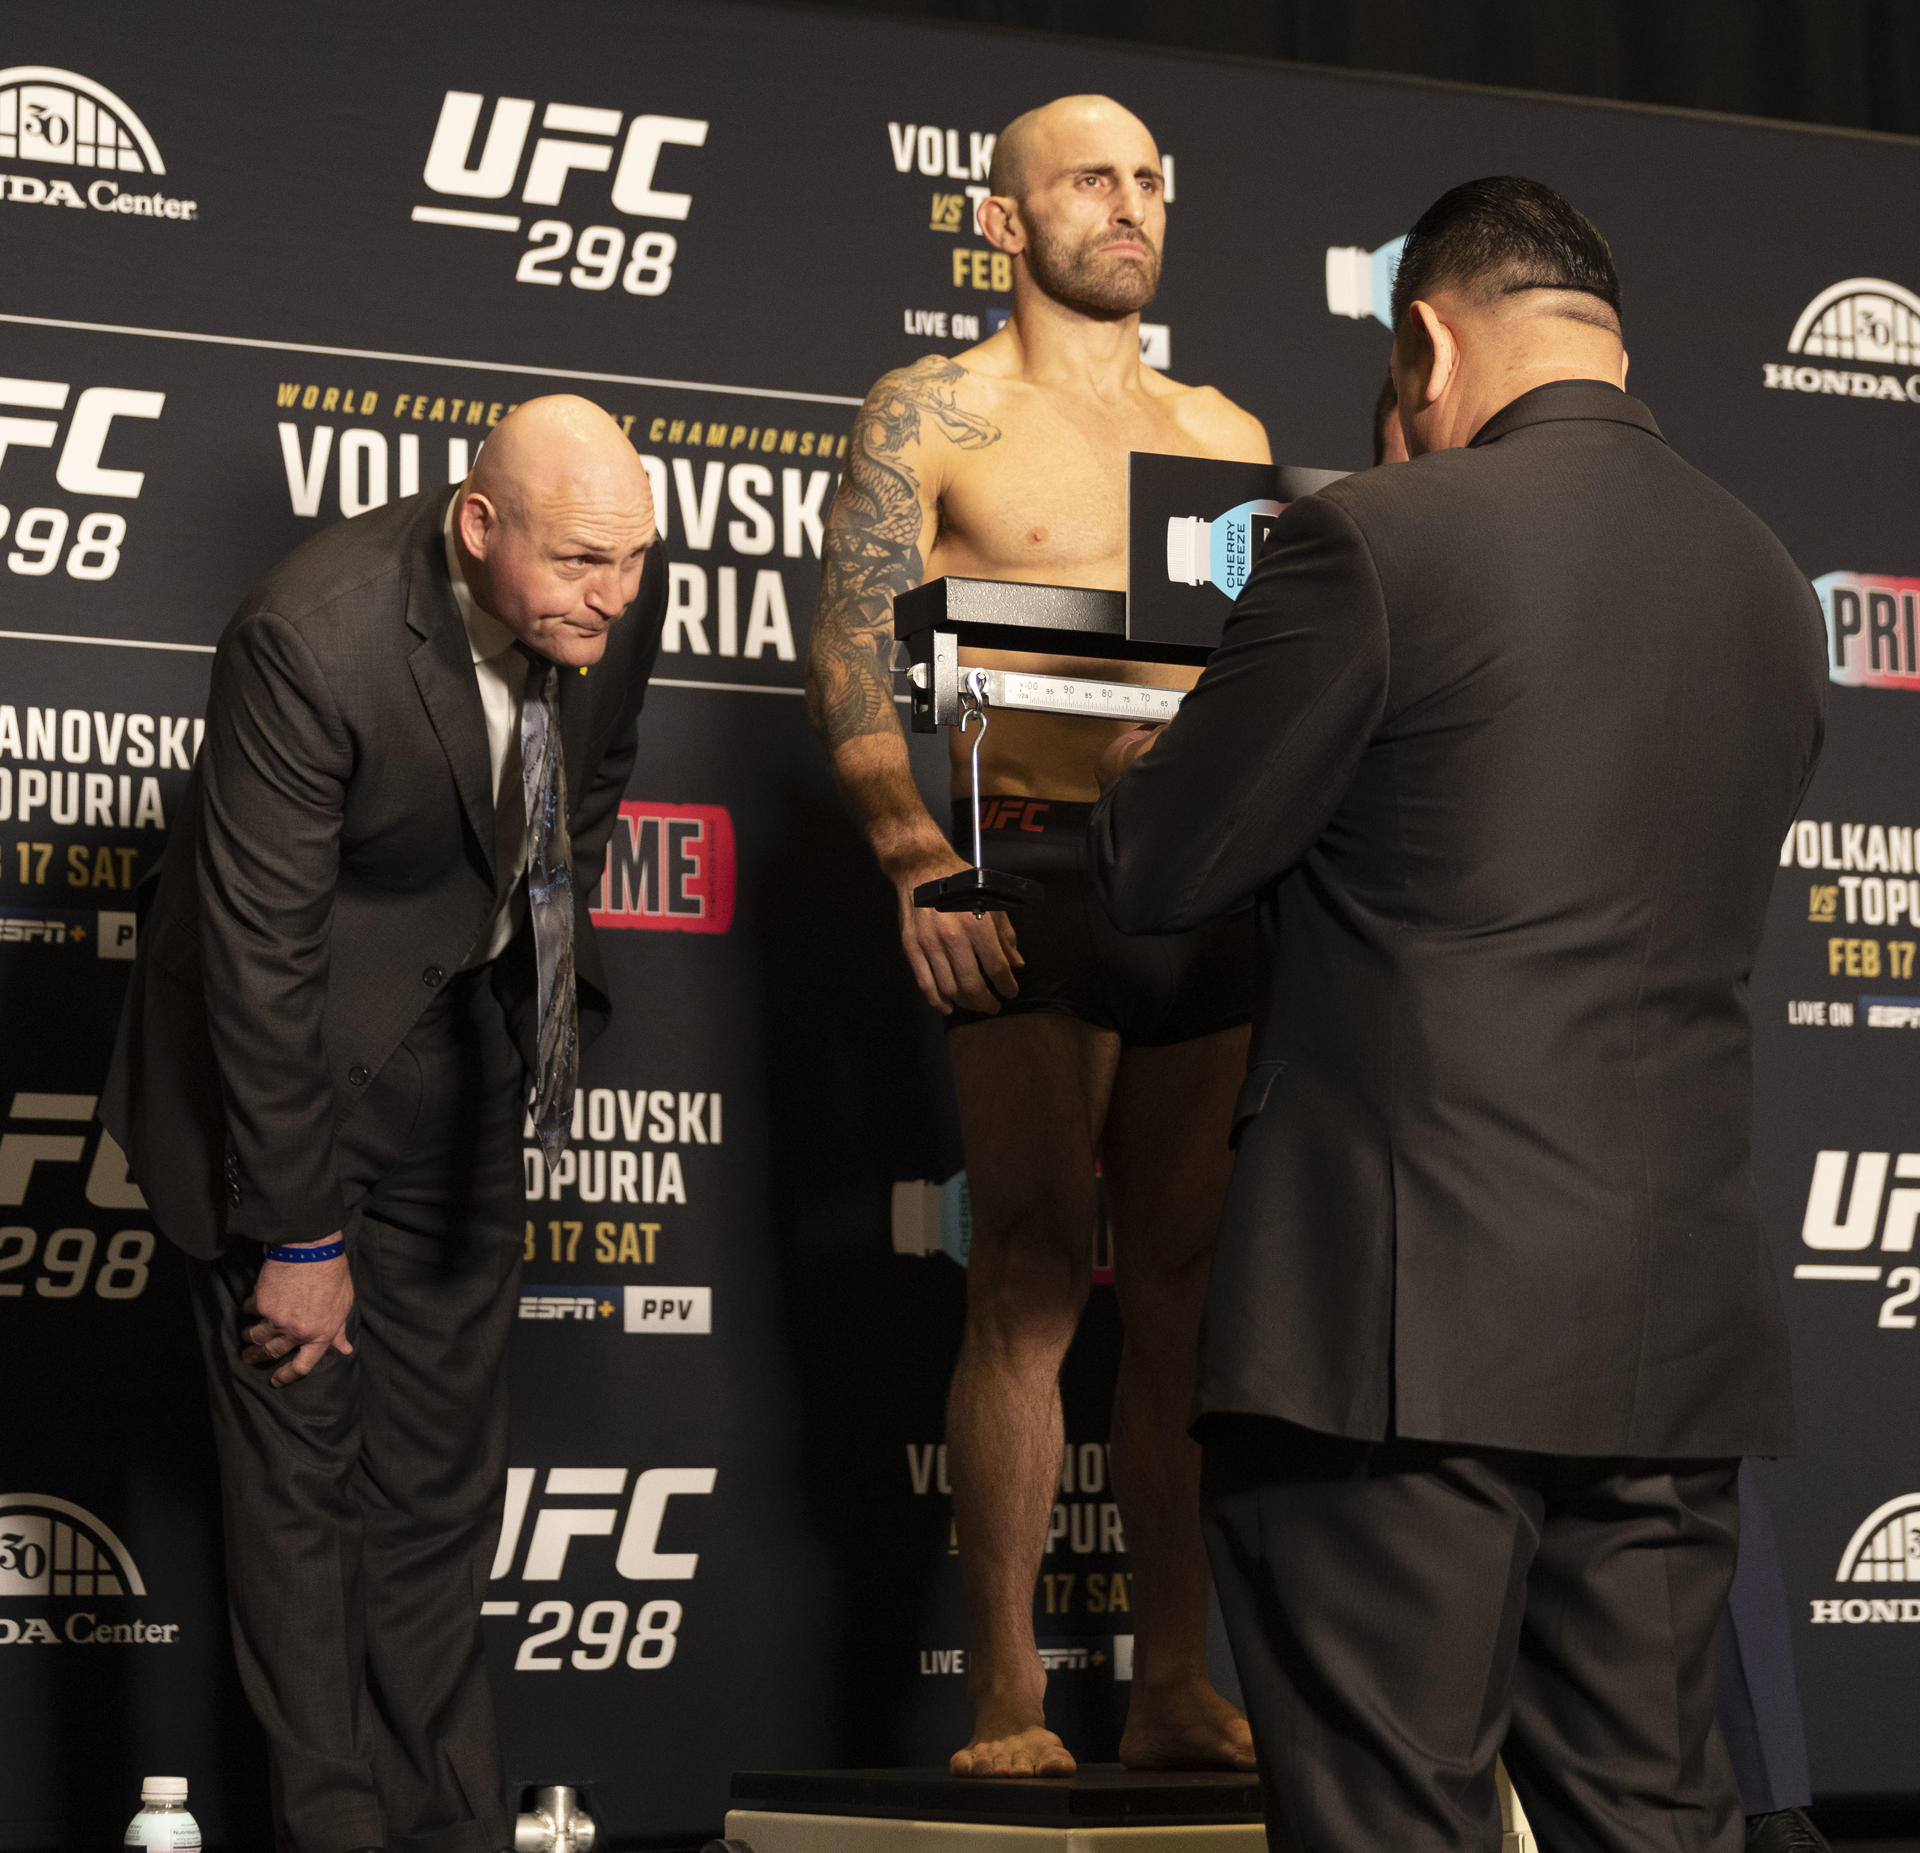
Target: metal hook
[{"x": 973, "y": 706}]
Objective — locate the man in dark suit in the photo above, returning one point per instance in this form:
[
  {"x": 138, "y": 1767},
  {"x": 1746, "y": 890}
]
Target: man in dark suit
[
  {"x": 1758, "y": 1705},
  {"x": 1503, "y": 742},
  {"x": 362, "y": 949}
]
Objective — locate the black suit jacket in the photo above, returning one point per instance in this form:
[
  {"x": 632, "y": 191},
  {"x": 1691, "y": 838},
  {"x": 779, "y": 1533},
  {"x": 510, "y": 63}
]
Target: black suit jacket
[
  {"x": 331, "y": 866},
  {"x": 1504, "y": 741}
]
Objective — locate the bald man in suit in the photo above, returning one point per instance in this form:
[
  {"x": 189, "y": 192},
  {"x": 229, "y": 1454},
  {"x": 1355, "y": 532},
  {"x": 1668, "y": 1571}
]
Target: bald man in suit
[{"x": 368, "y": 958}]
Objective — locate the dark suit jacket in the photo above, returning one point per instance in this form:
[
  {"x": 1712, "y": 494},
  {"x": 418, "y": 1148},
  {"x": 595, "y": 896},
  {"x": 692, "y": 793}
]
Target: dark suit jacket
[
  {"x": 331, "y": 866},
  {"x": 1504, "y": 742}
]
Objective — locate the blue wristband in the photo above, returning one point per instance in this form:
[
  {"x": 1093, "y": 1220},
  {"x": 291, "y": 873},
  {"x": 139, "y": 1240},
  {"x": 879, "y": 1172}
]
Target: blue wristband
[{"x": 327, "y": 1251}]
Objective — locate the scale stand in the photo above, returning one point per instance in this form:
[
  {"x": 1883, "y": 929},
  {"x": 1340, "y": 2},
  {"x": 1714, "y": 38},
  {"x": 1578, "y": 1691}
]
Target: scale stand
[
  {"x": 977, "y": 889},
  {"x": 939, "y": 619},
  {"x": 556, "y": 1823}
]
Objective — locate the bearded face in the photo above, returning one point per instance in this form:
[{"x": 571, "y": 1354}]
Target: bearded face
[{"x": 1091, "y": 277}]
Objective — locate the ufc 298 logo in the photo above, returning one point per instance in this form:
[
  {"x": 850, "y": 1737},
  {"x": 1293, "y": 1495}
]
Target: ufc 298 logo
[
  {"x": 576, "y": 139},
  {"x": 582, "y": 1503},
  {"x": 42, "y": 531}
]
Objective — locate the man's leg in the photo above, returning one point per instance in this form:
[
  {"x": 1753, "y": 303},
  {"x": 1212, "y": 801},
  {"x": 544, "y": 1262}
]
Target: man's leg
[
  {"x": 294, "y": 1578},
  {"x": 294, "y": 1524},
  {"x": 440, "y": 1246},
  {"x": 1165, "y": 1157},
  {"x": 1613, "y": 1747},
  {"x": 1032, "y": 1093},
  {"x": 1373, "y": 1595}
]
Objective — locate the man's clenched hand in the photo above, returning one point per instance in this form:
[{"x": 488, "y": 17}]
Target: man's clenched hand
[
  {"x": 956, "y": 959},
  {"x": 296, "y": 1313}
]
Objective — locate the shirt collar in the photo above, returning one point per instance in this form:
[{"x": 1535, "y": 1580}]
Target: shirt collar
[
  {"x": 1561, "y": 400},
  {"x": 487, "y": 637}
]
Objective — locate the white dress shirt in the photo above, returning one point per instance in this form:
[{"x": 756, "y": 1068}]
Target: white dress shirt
[{"x": 501, "y": 672}]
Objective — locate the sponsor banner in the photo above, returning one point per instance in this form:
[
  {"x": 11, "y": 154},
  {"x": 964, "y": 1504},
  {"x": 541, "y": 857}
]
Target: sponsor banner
[{"x": 226, "y": 328}]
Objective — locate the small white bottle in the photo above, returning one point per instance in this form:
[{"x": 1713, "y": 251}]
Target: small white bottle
[{"x": 163, "y": 1820}]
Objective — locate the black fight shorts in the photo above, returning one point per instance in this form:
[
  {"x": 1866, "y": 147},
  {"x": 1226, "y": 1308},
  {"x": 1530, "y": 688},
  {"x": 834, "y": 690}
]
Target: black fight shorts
[{"x": 1152, "y": 989}]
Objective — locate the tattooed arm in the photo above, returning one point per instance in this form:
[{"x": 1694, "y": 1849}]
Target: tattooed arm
[{"x": 882, "y": 522}]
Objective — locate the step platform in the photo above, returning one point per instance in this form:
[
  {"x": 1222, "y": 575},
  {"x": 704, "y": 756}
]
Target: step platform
[{"x": 1102, "y": 1807}]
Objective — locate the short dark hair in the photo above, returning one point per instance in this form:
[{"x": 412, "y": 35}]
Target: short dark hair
[
  {"x": 1383, "y": 409},
  {"x": 1496, "y": 237}
]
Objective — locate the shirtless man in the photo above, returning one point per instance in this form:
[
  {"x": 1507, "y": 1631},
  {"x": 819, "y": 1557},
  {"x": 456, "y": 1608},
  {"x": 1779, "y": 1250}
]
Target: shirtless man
[{"x": 1069, "y": 1042}]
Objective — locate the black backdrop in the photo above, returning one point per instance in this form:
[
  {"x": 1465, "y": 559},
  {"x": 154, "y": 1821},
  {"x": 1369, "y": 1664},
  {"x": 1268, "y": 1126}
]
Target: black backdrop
[
  {"x": 729, "y": 1542},
  {"x": 1850, "y": 63}
]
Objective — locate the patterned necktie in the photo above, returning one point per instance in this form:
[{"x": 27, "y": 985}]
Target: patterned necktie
[{"x": 550, "y": 903}]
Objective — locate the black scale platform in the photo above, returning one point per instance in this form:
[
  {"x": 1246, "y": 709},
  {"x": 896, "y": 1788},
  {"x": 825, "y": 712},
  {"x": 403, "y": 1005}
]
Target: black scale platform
[{"x": 1098, "y": 1795}]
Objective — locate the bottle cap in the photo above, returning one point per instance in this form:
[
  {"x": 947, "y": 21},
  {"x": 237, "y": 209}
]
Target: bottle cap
[
  {"x": 1187, "y": 539},
  {"x": 916, "y": 1217},
  {"x": 163, "y": 1788},
  {"x": 1350, "y": 281}
]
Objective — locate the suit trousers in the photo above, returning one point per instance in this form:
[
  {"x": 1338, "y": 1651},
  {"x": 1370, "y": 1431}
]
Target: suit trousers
[
  {"x": 1402, "y": 1612},
  {"x": 361, "y": 1502},
  {"x": 1759, "y": 1699}
]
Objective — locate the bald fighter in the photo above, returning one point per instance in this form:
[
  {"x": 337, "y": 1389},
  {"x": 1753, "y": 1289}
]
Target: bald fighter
[
  {"x": 1070, "y": 1044},
  {"x": 368, "y": 958}
]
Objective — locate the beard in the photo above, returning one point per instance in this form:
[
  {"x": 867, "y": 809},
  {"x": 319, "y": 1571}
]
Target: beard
[{"x": 1078, "y": 278}]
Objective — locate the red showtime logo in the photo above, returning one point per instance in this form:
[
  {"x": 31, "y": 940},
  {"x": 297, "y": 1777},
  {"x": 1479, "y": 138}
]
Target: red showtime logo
[{"x": 669, "y": 869}]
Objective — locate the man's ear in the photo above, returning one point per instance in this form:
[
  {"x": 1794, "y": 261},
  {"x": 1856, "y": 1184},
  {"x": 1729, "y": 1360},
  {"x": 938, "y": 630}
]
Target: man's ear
[
  {"x": 1435, "y": 358},
  {"x": 999, "y": 220},
  {"x": 475, "y": 522}
]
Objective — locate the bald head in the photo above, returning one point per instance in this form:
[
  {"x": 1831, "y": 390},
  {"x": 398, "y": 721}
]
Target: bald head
[
  {"x": 1034, "y": 141},
  {"x": 1076, "y": 199},
  {"x": 554, "y": 445},
  {"x": 553, "y": 526}
]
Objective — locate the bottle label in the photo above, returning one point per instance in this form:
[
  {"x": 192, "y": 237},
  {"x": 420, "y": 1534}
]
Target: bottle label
[{"x": 172, "y": 1831}]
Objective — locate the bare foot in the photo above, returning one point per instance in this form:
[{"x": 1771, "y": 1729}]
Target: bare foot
[
  {"x": 1189, "y": 1727},
  {"x": 1003, "y": 1746}
]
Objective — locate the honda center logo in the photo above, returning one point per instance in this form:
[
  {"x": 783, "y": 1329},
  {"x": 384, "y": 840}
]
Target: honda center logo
[
  {"x": 57, "y": 1560},
  {"x": 1884, "y": 1548},
  {"x": 51, "y": 118},
  {"x": 1865, "y": 321}
]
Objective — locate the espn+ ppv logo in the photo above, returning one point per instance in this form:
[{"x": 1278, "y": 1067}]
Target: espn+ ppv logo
[
  {"x": 585, "y": 143},
  {"x": 60, "y": 119}
]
